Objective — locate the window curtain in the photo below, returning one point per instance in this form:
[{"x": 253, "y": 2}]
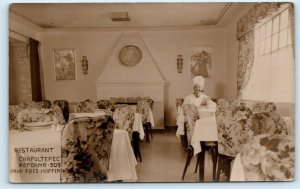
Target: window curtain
[
  {"x": 245, "y": 36},
  {"x": 35, "y": 70}
]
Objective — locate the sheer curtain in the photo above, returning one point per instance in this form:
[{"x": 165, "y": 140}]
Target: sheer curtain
[{"x": 273, "y": 74}]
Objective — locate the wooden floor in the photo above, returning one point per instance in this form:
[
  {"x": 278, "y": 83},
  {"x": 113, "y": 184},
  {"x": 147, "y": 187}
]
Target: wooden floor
[{"x": 164, "y": 159}]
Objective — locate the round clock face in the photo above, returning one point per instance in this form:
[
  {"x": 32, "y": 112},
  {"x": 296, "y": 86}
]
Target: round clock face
[{"x": 130, "y": 55}]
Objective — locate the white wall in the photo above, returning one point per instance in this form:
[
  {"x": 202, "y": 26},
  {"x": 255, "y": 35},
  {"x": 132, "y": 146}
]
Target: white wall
[{"x": 164, "y": 47}]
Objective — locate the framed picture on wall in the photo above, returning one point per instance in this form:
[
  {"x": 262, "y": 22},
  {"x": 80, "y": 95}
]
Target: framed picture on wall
[
  {"x": 64, "y": 64},
  {"x": 201, "y": 61}
]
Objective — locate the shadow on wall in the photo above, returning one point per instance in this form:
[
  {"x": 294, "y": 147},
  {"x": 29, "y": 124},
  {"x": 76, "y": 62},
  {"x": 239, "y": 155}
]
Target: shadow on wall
[{"x": 219, "y": 90}]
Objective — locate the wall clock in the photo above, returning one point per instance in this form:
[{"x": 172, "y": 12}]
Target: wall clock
[{"x": 130, "y": 55}]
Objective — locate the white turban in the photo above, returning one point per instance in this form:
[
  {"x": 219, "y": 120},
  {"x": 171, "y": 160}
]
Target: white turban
[{"x": 200, "y": 81}]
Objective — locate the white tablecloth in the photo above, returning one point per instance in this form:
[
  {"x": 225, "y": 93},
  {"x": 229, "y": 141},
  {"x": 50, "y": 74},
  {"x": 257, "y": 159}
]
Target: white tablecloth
[
  {"x": 237, "y": 171},
  {"x": 121, "y": 167},
  {"x": 205, "y": 130},
  {"x": 290, "y": 125},
  {"x": 203, "y": 113},
  {"x": 150, "y": 117}
]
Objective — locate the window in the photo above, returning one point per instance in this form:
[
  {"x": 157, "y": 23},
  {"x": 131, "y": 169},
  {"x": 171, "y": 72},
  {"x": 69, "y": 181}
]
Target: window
[{"x": 272, "y": 75}]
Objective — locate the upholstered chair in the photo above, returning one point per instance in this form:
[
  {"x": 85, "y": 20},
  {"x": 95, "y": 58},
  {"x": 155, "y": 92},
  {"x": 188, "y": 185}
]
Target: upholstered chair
[
  {"x": 30, "y": 115},
  {"x": 13, "y": 113},
  {"x": 183, "y": 138},
  {"x": 269, "y": 157},
  {"x": 14, "y": 110},
  {"x": 124, "y": 120},
  {"x": 190, "y": 114},
  {"x": 143, "y": 108},
  {"x": 64, "y": 105},
  {"x": 237, "y": 123},
  {"x": 86, "y": 106},
  {"x": 85, "y": 149},
  {"x": 105, "y": 104},
  {"x": 231, "y": 118}
]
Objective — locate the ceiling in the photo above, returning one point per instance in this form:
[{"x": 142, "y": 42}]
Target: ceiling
[{"x": 142, "y": 15}]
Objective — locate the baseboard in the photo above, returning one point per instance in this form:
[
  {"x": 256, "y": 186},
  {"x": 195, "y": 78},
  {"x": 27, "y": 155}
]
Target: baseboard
[{"x": 166, "y": 128}]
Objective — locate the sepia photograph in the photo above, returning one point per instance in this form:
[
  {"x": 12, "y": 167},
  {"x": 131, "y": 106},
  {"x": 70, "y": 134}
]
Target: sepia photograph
[{"x": 142, "y": 92}]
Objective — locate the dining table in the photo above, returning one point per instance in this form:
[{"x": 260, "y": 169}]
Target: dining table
[
  {"x": 35, "y": 156},
  {"x": 205, "y": 129}
]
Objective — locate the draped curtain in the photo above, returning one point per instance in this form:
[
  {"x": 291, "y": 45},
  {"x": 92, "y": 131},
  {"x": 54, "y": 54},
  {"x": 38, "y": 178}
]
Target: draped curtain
[{"x": 245, "y": 36}]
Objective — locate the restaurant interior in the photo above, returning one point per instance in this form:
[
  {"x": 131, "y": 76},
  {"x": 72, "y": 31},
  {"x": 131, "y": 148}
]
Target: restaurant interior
[{"x": 151, "y": 92}]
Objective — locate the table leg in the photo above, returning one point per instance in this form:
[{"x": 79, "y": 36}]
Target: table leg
[{"x": 201, "y": 157}]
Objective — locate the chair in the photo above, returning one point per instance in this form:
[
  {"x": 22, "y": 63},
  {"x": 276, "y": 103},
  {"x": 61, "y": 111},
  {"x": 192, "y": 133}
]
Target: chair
[
  {"x": 13, "y": 113},
  {"x": 85, "y": 149},
  {"x": 104, "y": 104},
  {"x": 30, "y": 115},
  {"x": 231, "y": 117},
  {"x": 191, "y": 114},
  {"x": 86, "y": 106},
  {"x": 107, "y": 105},
  {"x": 269, "y": 157},
  {"x": 64, "y": 105},
  {"x": 143, "y": 108},
  {"x": 124, "y": 119},
  {"x": 237, "y": 124},
  {"x": 183, "y": 138},
  {"x": 14, "y": 110}
]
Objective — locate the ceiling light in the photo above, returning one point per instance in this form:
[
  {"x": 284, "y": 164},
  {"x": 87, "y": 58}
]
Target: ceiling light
[{"x": 120, "y": 16}]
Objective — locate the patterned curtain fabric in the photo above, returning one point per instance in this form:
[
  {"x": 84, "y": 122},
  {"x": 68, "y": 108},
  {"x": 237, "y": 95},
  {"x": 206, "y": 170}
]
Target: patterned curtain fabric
[
  {"x": 245, "y": 35},
  {"x": 85, "y": 149},
  {"x": 245, "y": 61}
]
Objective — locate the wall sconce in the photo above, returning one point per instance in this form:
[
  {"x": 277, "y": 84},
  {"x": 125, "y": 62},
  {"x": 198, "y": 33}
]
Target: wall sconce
[
  {"x": 179, "y": 63},
  {"x": 85, "y": 65}
]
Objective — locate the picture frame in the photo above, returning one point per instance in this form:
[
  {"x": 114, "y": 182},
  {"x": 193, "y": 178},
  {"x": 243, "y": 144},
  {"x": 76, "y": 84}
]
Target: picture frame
[
  {"x": 201, "y": 62},
  {"x": 64, "y": 64}
]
